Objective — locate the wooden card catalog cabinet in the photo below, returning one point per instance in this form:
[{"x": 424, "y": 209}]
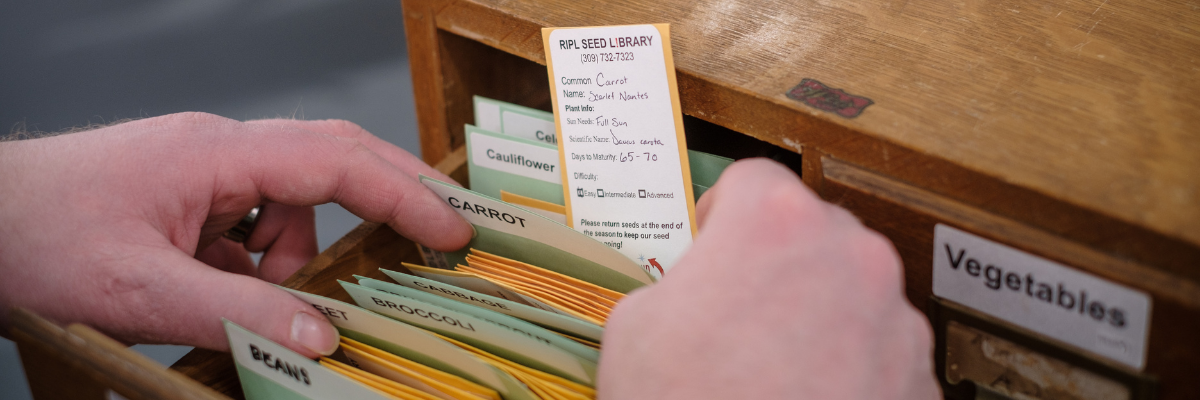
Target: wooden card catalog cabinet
[
  {"x": 1052, "y": 150},
  {"x": 1065, "y": 135}
]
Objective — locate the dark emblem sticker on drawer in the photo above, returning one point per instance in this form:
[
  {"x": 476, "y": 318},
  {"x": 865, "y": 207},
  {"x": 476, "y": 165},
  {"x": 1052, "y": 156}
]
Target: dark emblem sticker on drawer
[{"x": 817, "y": 95}]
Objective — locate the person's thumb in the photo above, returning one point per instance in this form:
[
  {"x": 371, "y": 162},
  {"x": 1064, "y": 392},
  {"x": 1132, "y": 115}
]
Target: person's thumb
[{"x": 201, "y": 296}]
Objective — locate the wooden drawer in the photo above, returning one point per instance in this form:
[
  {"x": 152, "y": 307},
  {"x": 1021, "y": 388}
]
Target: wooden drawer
[
  {"x": 1067, "y": 131},
  {"x": 907, "y": 215}
]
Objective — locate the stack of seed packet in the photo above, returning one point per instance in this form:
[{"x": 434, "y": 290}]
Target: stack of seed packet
[{"x": 518, "y": 313}]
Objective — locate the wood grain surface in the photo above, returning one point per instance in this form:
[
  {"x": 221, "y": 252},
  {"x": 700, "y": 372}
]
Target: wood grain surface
[
  {"x": 1079, "y": 117},
  {"x": 81, "y": 363}
]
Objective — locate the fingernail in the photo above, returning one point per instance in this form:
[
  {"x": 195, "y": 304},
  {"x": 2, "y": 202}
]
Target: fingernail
[
  {"x": 313, "y": 333},
  {"x": 474, "y": 232}
]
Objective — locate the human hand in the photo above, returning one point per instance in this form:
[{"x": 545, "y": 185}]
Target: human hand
[
  {"x": 781, "y": 296},
  {"x": 103, "y": 227}
]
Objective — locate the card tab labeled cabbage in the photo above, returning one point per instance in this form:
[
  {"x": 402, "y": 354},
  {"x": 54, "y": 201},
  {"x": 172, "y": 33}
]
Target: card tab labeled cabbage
[
  {"x": 549, "y": 319},
  {"x": 510, "y": 344},
  {"x": 268, "y": 370},
  {"x": 517, "y": 325},
  {"x": 516, "y": 233},
  {"x": 624, "y": 157},
  {"x": 498, "y": 162},
  {"x": 412, "y": 343}
]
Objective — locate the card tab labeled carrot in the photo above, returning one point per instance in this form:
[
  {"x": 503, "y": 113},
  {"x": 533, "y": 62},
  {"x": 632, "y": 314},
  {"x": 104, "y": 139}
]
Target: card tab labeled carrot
[
  {"x": 517, "y": 233},
  {"x": 624, "y": 160}
]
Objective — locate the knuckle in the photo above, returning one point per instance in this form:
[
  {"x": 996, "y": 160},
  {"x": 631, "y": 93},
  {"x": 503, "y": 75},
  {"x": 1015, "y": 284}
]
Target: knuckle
[
  {"x": 879, "y": 265},
  {"x": 879, "y": 247},
  {"x": 790, "y": 202},
  {"x": 351, "y": 129}
]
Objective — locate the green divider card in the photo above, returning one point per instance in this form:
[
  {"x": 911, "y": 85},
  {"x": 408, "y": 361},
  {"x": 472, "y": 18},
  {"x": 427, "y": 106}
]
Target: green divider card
[
  {"x": 513, "y": 323},
  {"x": 504, "y": 342},
  {"x": 517, "y": 121},
  {"x": 549, "y": 319},
  {"x": 513, "y": 232},
  {"x": 497, "y": 162},
  {"x": 528, "y": 126},
  {"x": 706, "y": 168},
  {"x": 414, "y": 344},
  {"x": 268, "y": 370},
  {"x": 698, "y": 190}
]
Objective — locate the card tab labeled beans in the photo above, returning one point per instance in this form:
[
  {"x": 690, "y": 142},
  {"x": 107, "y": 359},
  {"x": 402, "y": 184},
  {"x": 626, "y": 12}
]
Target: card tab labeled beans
[
  {"x": 1064, "y": 303},
  {"x": 268, "y": 370},
  {"x": 624, "y": 164}
]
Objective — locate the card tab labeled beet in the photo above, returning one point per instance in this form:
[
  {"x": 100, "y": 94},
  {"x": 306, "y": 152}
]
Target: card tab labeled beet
[{"x": 413, "y": 343}]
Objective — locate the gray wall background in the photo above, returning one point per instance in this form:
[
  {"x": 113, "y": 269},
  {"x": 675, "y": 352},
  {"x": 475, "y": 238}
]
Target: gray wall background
[{"x": 72, "y": 63}]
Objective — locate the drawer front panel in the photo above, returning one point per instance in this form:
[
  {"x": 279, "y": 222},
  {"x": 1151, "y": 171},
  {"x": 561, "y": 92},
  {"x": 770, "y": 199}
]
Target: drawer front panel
[{"x": 908, "y": 216}]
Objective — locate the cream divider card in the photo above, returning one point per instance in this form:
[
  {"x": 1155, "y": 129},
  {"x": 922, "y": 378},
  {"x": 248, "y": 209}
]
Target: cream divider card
[{"x": 621, "y": 144}]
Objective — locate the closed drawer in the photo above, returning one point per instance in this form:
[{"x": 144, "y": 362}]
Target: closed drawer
[{"x": 908, "y": 216}]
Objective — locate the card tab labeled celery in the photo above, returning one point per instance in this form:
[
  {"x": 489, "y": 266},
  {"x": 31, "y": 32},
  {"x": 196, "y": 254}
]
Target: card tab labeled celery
[
  {"x": 626, "y": 175},
  {"x": 514, "y": 120},
  {"x": 547, "y": 318},
  {"x": 268, "y": 370},
  {"x": 518, "y": 347},
  {"x": 497, "y": 162},
  {"x": 516, "y": 233},
  {"x": 478, "y": 309}
]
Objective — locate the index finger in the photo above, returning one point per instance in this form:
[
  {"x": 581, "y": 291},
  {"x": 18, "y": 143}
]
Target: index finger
[
  {"x": 285, "y": 164},
  {"x": 395, "y": 155}
]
